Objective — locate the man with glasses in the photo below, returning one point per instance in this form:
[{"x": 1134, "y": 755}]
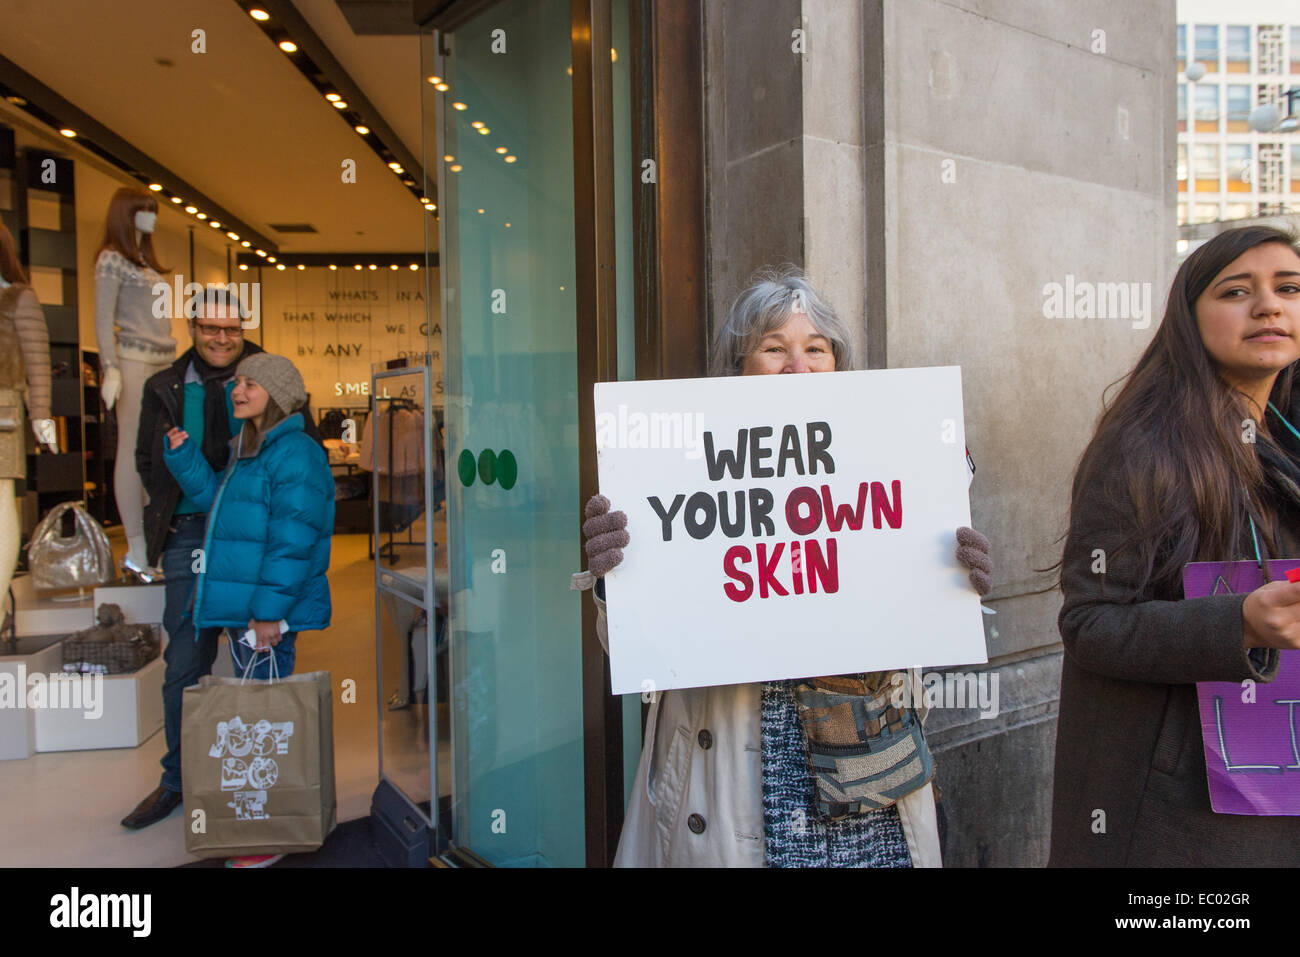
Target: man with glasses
[{"x": 194, "y": 395}]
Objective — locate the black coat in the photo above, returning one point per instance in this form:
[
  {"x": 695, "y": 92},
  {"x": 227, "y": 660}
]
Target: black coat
[
  {"x": 162, "y": 407},
  {"x": 1128, "y": 740}
]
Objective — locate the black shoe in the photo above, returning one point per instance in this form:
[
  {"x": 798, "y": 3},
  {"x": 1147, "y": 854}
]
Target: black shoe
[{"x": 153, "y": 808}]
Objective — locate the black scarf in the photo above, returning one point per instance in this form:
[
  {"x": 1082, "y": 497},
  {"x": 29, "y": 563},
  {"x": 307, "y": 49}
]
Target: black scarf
[{"x": 216, "y": 418}]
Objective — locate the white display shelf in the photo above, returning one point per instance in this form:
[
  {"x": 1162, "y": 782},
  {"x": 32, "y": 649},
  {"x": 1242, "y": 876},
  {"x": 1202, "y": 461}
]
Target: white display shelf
[
  {"x": 18, "y": 724},
  {"x": 132, "y": 713}
]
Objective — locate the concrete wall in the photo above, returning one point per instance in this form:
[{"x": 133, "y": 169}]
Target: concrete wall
[{"x": 952, "y": 158}]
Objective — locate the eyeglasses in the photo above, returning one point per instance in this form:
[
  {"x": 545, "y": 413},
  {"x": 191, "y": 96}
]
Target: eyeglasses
[{"x": 212, "y": 332}]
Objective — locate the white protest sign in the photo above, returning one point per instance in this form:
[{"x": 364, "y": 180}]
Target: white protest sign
[{"x": 786, "y": 526}]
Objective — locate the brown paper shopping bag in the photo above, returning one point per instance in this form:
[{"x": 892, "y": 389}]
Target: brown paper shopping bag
[{"x": 257, "y": 761}]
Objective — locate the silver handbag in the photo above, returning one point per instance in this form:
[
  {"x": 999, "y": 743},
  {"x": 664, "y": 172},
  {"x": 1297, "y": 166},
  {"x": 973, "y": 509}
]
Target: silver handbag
[{"x": 82, "y": 560}]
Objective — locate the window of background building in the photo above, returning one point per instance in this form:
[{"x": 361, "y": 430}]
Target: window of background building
[
  {"x": 1295, "y": 49},
  {"x": 1238, "y": 49},
  {"x": 1207, "y": 105},
  {"x": 1238, "y": 211},
  {"x": 1182, "y": 214},
  {"x": 1239, "y": 106},
  {"x": 1295, "y": 167},
  {"x": 1182, "y": 106},
  {"x": 1237, "y": 157},
  {"x": 1207, "y": 47},
  {"x": 1205, "y": 162},
  {"x": 1207, "y": 212},
  {"x": 1182, "y": 45},
  {"x": 1182, "y": 164}
]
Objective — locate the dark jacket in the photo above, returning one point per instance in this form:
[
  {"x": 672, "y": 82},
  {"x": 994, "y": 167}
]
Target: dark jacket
[
  {"x": 270, "y": 516},
  {"x": 162, "y": 407},
  {"x": 1129, "y": 753}
]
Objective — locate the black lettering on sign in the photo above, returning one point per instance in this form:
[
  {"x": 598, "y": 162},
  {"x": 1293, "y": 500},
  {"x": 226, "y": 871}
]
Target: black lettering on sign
[{"x": 343, "y": 349}]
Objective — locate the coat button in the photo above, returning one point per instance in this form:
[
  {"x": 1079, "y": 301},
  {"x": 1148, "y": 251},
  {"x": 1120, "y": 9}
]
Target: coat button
[
  {"x": 696, "y": 824},
  {"x": 706, "y": 739}
]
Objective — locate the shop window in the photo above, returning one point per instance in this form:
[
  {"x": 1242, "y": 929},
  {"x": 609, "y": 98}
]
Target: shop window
[
  {"x": 1238, "y": 49},
  {"x": 1207, "y": 46}
]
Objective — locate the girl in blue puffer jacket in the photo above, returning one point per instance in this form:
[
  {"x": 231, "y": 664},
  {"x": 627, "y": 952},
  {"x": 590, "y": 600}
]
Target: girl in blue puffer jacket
[{"x": 270, "y": 516}]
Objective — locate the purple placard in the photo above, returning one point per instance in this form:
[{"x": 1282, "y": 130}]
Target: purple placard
[{"x": 1251, "y": 753}]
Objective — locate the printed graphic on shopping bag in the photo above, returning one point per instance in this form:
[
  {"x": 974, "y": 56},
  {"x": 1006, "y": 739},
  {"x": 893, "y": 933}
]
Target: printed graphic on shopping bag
[{"x": 247, "y": 765}]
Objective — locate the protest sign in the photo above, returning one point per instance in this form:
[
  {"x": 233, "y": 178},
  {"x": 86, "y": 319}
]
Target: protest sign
[
  {"x": 786, "y": 526},
  {"x": 1249, "y": 729}
]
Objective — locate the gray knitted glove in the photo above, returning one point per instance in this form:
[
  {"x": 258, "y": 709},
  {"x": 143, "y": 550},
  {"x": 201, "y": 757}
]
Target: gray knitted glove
[
  {"x": 606, "y": 534},
  {"x": 973, "y": 552}
]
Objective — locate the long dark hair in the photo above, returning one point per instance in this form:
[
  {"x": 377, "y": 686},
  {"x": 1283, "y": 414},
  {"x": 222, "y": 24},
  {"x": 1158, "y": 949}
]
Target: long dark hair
[
  {"x": 119, "y": 229},
  {"x": 1172, "y": 443}
]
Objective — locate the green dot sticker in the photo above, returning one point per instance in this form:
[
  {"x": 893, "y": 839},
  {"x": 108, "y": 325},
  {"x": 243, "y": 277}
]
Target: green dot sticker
[
  {"x": 507, "y": 469},
  {"x": 487, "y": 466},
  {"x": 465, "y": 467}
]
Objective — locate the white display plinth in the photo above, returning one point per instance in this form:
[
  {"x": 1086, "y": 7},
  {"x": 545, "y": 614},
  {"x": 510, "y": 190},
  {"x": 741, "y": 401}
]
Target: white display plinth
[
  {"x": 140, "y": 604},
  {"x": 37, "y": 614},
  {"x": 18, "y": 725},
  {"x": 132, "y": 712}
]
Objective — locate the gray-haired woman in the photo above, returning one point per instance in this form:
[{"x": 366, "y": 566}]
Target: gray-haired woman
[{"x": 724, "y": 777}]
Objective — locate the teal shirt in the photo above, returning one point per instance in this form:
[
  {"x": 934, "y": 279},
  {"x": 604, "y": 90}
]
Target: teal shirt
[{"x": 192, "y": 422}]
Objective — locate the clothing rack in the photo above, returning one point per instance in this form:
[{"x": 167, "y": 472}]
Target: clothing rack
[{"x": 389, "y": 550}]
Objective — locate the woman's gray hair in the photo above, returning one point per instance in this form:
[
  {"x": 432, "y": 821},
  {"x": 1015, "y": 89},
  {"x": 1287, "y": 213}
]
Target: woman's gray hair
[{"x": 774, "y": 293}]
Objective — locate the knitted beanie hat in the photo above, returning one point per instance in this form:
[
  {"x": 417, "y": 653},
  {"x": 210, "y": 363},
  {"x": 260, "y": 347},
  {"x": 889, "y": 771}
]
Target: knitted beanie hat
[{"x": 278, "y": 376}]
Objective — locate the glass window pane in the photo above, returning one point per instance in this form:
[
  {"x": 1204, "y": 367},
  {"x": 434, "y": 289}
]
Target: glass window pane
[
  {"x": 1238, "y": 211},
  {"x": 1182, "y": 161},
  {"x": 1182, "y": 101},
  {"x": 1238, "y": 160},
  {"x": 1182, "y": 40},
  {"x": 1205, "y": 157},
  {"x": 1207, "y": 43},
  {"x": 1239, "y": 101},
  {"x": 1295, "y": 162},
  {"x": 512, "y": 441},
  {"x": 1238, "y": 43},
  {"x": 1207, "y": 101}
]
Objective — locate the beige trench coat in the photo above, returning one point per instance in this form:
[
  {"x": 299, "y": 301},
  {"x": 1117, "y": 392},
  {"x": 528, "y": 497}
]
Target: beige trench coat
[{"x": 697, "y": 798}]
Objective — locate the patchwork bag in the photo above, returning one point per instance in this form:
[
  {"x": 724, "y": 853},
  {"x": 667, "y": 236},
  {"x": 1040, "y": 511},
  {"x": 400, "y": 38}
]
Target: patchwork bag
[{"x": 866, "y": 748}]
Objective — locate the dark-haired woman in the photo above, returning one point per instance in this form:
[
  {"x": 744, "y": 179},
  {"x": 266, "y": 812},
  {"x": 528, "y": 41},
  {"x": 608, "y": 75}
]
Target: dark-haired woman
[{"x": 1197, "y": 459}]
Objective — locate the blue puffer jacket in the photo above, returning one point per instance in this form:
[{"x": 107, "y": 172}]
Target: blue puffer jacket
[{"x": 270, "y": 516}]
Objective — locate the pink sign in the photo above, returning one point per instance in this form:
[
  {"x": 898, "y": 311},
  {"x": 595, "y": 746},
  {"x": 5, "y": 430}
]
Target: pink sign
[{"x": 1252, "y": 750}]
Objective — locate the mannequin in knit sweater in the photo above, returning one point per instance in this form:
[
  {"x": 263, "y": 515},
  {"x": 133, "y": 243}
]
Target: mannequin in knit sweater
[{"x": 133, "y": 345}]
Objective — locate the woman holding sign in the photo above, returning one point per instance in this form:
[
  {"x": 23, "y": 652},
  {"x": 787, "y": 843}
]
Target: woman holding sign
[
  {"x": 724, "y": 777},
  {"x": 1196, "y": 460}
]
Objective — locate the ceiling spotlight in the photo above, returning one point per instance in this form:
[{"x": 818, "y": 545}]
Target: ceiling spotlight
[
  {"x": 449, "y": 158},
  {"x": 260, "y": 252},
  {"x": 507, "y": 225},
  {"x": 214, "y": 224},
  {"x": 156, "y": 187},
  {"x": 357, "y": 266},
  {"x": 415, "y": 267},
  {"x": 456, "y": 167},
  {"x": 245, "y": 244},
  {"x": 68, "y": 133},
  {"x": 430, "y": 207},
  {"x": 301, "y": 266},
  {"x": 16, "y": 100},
  {"x": 288, "y": 46},
  {"x": 270, "y": 259},
  {"x": 459, "y": 106},
  {"x": 333, "y": 97},
  {"x": 363, "y": 130},
  {"x": 477, "y": 124},
  {"x": 233, "y": 235},
  {"x": 394, "y": 165},
  {"x": 191, "y": 210},
  {"x": 435, "y": 80},
  {"x": 502, "y": 150},
  {"x": 373, "y": 266},
  {"x": 333, "y": 267},
  {"x": 257, "y": 13},
  {"x": 340, "y": 104},
  {"x": 485, "y": 131},
  {"x": 201, "y": 215},
  {"x": 408, "y": 182},
  {"x": 243, "y": 267},
  {"x": 279, "y": 266},
  {"x": 480, "y": 210},
  {"x": 177, "y": 200},
  {"x": 511, "y": 159},
  {"x": 441, "y": 87},
  {"x": 393, "y": 266}
]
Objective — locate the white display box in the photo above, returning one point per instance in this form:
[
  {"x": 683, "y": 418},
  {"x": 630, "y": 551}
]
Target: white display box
[
  {"x": 140, "y": 604},
  {"x": 40, "y": 615},
  {"x": 18, "y": 725},
  {"x": 132, "y": 713}
]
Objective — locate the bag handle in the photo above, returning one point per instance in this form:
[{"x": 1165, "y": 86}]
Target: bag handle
[{"x": 252, "y": 660}]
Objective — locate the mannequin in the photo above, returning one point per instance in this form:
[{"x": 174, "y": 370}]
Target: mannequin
[
  {"x": 133, "y": 345},
  {"x": 24, "y": 370}
]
